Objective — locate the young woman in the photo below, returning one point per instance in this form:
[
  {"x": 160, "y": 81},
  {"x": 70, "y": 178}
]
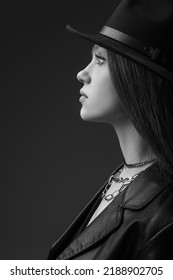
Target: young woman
[{"x": 129, "y": 85}]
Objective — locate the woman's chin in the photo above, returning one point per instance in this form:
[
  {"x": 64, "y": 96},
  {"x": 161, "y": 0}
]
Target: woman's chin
[{"x": 86, "y": 116}]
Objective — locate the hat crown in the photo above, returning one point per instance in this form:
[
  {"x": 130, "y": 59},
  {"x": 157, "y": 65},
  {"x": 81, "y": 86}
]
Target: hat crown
[
  {"x": 140, "y": 30},
  {"x": 149, "y": 21}
]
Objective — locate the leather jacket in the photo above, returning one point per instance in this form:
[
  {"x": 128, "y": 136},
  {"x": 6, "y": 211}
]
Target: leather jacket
[{"x": 137, "y": 224}]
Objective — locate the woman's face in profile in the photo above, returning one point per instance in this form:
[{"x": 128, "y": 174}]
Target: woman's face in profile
[{"x": 100, "y": 102}]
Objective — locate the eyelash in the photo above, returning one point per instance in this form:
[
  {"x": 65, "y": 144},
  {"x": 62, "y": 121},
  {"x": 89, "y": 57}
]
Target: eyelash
[{"x": 98, "y": 57}]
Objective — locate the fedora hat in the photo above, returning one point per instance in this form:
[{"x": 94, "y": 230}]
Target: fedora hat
[{"x": 140, "y": 30}]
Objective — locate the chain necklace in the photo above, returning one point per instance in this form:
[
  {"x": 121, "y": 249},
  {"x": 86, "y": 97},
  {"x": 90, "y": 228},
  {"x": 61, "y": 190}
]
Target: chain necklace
[
  {"x": 139, "y": 163},
  {"x": 125, "y": 181}
]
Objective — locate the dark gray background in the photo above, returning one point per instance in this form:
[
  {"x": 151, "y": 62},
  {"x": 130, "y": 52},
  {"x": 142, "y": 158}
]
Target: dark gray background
[{"x": 52, "y": 161}]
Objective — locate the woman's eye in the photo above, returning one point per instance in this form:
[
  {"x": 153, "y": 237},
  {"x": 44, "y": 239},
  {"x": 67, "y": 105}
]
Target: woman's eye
[{"x": 99, "y": 59}]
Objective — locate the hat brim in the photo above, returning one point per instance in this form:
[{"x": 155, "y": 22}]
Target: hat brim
[{"x": 124, "y": 50}]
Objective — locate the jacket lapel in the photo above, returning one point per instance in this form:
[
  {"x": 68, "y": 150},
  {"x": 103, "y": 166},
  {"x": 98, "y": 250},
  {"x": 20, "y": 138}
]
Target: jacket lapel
[
  {"x": 78, "y": 224},
  {"x": 104, "y": 224},
  {"x": 137, "y": 195}
]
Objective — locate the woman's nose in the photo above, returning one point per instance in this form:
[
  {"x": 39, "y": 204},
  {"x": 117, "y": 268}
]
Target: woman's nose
[{"x": 83, "y": 76}]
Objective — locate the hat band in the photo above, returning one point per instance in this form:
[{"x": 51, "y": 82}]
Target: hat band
[{"x": 130, "y": 41}]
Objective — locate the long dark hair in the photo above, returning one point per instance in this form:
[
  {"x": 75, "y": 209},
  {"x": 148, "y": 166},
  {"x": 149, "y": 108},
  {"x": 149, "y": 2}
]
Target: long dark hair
[{"x": 148, "y": 101}]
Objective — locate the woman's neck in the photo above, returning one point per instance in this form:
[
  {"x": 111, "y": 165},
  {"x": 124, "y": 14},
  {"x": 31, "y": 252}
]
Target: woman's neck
[{"x": 133, "y": 146}]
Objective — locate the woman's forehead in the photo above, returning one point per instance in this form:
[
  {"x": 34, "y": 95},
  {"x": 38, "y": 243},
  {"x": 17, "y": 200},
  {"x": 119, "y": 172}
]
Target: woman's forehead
[{"x": 97, "y": 47}]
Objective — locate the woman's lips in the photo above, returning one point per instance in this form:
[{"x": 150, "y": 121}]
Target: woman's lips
[
  {"x": 83, "y": 97},
  {"x": 82, "y": 93}
]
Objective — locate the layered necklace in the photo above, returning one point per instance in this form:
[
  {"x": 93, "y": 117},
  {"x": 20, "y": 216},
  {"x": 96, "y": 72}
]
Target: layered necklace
[{"x": 126, "y": 181}]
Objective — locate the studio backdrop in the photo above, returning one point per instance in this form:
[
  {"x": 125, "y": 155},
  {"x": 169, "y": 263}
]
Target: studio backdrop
[{"x": 52, "y": 160}]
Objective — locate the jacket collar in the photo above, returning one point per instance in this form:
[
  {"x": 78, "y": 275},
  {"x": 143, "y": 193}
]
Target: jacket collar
[
  {"x": 148, "y": 185},
  {"x": 138, "y": 194}
]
